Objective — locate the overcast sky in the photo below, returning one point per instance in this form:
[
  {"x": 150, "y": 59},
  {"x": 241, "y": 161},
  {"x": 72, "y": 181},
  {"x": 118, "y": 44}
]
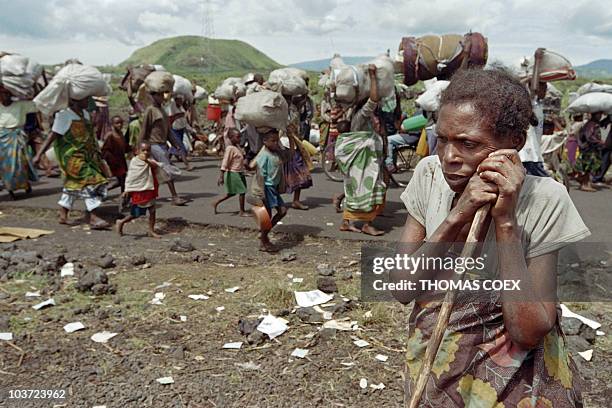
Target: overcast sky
[{"x": 104, "y": 32}]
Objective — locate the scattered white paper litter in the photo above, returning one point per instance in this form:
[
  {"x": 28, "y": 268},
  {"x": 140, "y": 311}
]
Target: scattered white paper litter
[
  {"x": 341, "y": 325},
  {"x": 6, "y": 336},
  {"x": 163, "y": 285},
  {"x": 289, "y": 276},
  {"x": 361, "y": 343},
  {"x": 312, "y": 298},
  {"x": 377, "y": 387},
  {"x": 248, "y": 366},
  {"x": 220, "y": 309},
  {"x": 103, "y": 337},
  {"x": 183, "y": 318},
  {"x": 67, "y": 270},
  {"x": 600, "y": 333},
  {"x": 363, "y": 383},
  {"x": 565, "y": 312},
  {"x": 235, "y": 346},
  {"x": 157, "y": 300},
  {"x": 165, "y": 380},
  {"x": 327, "y": 315},
  {"x": 297, "y": 280},
  {"x": 232, "y": 290},
  {"x": 587, "y": 355},
  {"x": 330, "y": 224},
  {"x": 198, "y": 297},
  {"x": 32, "y": 294},
  {"x": 367, "y": 314},
  {"x": 99, "y": 406},
  {"x": 49, "y": 302},
  {"x": 72, "y": 327},
  {"x": 381, "y": 357},
  {"x": 273, "y": 326},
  {"x": 299, "y": 353}
]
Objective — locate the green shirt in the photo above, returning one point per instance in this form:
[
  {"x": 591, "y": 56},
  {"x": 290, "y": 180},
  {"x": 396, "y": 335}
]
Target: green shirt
[{"x": 269, "y": 166}]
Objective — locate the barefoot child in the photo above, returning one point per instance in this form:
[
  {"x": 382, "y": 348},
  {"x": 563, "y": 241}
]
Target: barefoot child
[
  {"x": 232, "y": 172},
  {"x": 271, "y": 181},
  {"x": 142, "y": 186}
]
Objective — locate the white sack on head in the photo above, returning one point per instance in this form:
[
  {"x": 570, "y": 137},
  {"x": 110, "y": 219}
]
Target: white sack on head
[
  {"x": 385, "y": 75},
  {"x": 230, "y": 89},
  {"x": 351, "y": 84},
  {"x": 288, "y": 82},
  {"x": 159, "y": 81},
  {"x": 593, "y": 87},
  {"x": 19, "y": 74},
  {"x": 200, "y": 93},
  {"x": 591, "y": 103},
  {"x": 430, "y": 99},
  {"x": 263, "y": 109},
  {"x": 71, "y": 82},
  {"x": 182, "y": 87}
]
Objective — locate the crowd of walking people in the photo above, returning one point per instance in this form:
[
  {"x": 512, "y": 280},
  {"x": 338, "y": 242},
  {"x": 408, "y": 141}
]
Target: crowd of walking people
[{"x": 96, "y": 152}]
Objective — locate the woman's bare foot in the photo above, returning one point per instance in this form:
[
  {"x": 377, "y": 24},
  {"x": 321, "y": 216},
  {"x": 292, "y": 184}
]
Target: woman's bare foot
[
  {"x": 178, "y": 201},
  {"x": 214, "y": 206},
  {"x": 153, "y": 234},
  {"x": 244, "y": 214},
  {"x": 299, "y": 206},
  {"x": 66, "y": 221},
  {"x": 348, "y": 226},
  {"x": 370, "y": 230},
  {"x": 267, "y": 246},
  {"x": 337, "y": 202},
  {"x": 587, "y": 189},
  {"x": 119, "y": 227}
]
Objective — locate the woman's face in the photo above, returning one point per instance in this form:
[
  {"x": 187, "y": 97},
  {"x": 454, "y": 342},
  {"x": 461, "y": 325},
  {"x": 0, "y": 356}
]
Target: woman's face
[{"x": 463, "y": 143}]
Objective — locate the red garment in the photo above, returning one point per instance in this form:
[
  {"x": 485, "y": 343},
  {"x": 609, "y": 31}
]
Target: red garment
[
  {"x": 143, "y": 197},
  {"x": 113, "y": 152}
]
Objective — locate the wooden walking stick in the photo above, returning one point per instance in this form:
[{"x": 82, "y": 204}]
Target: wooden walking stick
[{"x": 438, "y": 333}]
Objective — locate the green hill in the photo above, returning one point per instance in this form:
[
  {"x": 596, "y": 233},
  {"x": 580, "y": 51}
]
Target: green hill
[
  {"x": 190, "y": 54},
  {"x": 596, "y": 69}
]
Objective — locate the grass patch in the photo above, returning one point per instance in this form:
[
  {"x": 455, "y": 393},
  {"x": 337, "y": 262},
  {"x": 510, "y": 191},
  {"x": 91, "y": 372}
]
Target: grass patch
[{"x": 275, "y": 294}]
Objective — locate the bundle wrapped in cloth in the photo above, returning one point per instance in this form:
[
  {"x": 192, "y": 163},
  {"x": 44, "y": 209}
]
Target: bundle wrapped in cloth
[
  {"x": 183, "y": 88},
  {"x": 19, "y": 75},
  {"x": 439, "y": 56},
  {"x": 591, "y": 103},
  {"x": 134, "y": 78},
  {"x": 230, "y": 89},
  {"x": 263, "y": 109},
  {"x": 74, "y": 81},
  {"x": 553, "y": 67},
  {"x": 288, "y": 81}
]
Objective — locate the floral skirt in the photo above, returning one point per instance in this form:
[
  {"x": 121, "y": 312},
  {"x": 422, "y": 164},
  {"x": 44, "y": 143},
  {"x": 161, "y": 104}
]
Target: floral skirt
[
  {"x": 297, "y": 175},
  {"x": 15, "y": 161},
  {"x": 588, "y": 162}
]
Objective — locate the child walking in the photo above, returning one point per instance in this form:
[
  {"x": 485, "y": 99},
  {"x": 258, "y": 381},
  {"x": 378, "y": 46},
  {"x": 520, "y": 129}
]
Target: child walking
[
  {"x": 268, "y": 183},
  {"x": 142, "y": 186},
  {"x": 232, "y": 172}
]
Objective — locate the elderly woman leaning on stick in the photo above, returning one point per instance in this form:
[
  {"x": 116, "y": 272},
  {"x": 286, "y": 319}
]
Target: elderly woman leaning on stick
[{"x": 500, "y": 349}]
